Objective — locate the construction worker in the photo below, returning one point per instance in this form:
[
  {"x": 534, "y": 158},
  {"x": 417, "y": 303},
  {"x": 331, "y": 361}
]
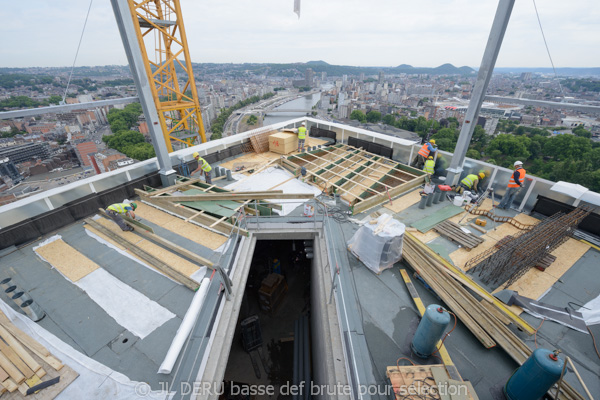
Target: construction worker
[
  {"x": 429, "y": 166},
  {"x": 515, "y": 183},
  {"x": 115, "y": 211},
  {"x": 429, "y": 148},
  {"x": 301, "y": 136},
  {"x": 470, "y": 182},
  {"x": 204, "y": 166}
]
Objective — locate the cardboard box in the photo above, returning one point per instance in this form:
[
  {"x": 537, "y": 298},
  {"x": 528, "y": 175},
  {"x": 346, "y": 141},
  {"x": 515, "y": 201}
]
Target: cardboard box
[{"x": 283, "y": 143}]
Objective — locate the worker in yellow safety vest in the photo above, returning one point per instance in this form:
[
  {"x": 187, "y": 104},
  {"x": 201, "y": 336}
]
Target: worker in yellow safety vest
[
  {"x": 301, "y": 136},
  {"x": 204, "y": 166},
  {"x": 115, "y": 211},
  {"x": 429, "y": 166},
  {"x": 515, "y": 183},
  {"x": 470, "y": 182},
  {"x": 429, "y": 148}
]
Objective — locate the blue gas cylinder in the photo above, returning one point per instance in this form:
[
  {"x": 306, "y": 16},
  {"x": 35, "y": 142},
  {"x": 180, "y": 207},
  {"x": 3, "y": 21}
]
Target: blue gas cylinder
[
  {"x": 430, "y": 330},
  {"x": 535, "y": 377}
]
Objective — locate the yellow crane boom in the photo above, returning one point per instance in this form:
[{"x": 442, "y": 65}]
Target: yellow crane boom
[{"x": 160, "y": 31}]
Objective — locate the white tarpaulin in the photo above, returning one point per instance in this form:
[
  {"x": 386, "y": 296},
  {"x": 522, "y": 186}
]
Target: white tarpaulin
[
  {"x": 591, "y": 311},
  {"x": 570, "y": 189},
  {"x": 272, "y": 177},
  {"x": 96, "y": 381}
]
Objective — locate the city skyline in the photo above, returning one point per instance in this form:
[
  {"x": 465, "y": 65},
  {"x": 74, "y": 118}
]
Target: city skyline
[{"x": 427, "y": 34}]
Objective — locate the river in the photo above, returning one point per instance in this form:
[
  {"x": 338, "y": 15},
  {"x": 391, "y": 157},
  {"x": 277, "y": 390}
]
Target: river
[{"x": 303, "y": 103}]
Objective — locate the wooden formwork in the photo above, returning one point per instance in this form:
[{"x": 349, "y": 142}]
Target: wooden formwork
[
  {"x": 160, "y": 198},
  {"x": 363, "y": 179}
]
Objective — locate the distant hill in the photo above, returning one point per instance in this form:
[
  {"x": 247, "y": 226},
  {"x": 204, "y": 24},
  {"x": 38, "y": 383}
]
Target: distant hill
[{"x": 559, "y": 71}]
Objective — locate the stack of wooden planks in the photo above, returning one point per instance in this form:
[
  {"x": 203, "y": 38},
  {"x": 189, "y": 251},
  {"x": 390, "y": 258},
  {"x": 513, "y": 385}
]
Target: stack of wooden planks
[
  {"x": 485, "y": 322},
  {"x": 455, "y": 233},
  {"x": 24, "y": 362}
]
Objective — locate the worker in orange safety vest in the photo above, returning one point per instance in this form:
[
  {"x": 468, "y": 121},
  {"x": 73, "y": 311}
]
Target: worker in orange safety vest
[
  {"x": 515, "y": 183},
  {"x": 429, "y": 148}
]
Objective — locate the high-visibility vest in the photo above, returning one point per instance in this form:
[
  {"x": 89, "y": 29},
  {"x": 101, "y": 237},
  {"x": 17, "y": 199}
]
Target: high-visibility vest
[
  {"x": 205, "y": 166},
  {"x": 469, "y": 180},
  {"x": 424, "y": 150},
  {"x": 521, "y": 178},
  {"x": 119, "y": 207},
  {"x": 302, "y": 132},
  {"x": 429, "y": 166}
]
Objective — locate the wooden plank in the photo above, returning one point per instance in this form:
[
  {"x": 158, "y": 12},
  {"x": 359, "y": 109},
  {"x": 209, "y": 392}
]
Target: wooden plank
[
  {"x": 14, "y": 358},
  {"x": 155, "y": 262},
  {"x": 184, "y": 212},
  {"x": 9, "y": 385},
  {"x": 70, "y": 262},
  {"x": 11, "y": 369},
  {"x": 179, "y": 250},
  {"x": 256, "y": 171},
  {"x": 3, "y": 375},
  {"x": 24, "y": 338},
  {"x": 235, "y": 196},
  {"x": 172, "y": 187}
]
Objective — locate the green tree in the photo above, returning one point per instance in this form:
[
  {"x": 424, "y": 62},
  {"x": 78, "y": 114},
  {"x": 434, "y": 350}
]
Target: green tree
[
  {"x": 562, "y": 147},
  {"x": 511, "y": 147},
  {"x": 472, "y": 153},
  {"x": 358, "y": 115},
  {"x": 373, "y": 116},
  {"x": 389, "y": 119},
  {"x": 582, "y": 132}
]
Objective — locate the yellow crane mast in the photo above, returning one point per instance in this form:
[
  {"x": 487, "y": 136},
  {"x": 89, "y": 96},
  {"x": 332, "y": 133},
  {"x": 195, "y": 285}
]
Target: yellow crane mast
[{"x": 160, "y": 33}]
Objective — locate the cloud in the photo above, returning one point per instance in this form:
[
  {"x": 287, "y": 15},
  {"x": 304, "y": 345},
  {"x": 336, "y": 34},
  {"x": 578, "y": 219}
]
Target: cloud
[{"x": 351, "y": 32}]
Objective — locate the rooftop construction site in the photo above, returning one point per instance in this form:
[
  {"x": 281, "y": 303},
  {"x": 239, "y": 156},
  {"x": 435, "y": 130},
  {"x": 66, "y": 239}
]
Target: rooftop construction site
[{"x": 305, "y": 259}]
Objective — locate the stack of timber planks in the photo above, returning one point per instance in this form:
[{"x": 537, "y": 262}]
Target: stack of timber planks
[
  {"x": 455, "y": 233},
  {"x": 24, "y": 362},
  {"x": 484, "y": 322}
]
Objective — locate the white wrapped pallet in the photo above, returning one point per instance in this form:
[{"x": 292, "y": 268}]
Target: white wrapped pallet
[{"x": 378, "y": 245}]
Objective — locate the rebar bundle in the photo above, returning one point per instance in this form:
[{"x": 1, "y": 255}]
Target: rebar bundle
[{"x": 509, "y": 261}]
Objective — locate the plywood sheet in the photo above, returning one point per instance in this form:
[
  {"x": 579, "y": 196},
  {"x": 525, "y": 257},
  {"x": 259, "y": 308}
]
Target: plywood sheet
[
  {"x": 177, "y": 225},
  {"x": 402, "y": 203},
  {"x": 174, "y": 261},
  {"x": 67, "y": 260},
  {"x": 535, "y": 282}
]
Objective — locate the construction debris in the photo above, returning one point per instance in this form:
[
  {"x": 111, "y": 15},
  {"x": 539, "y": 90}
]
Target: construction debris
[{"x": 508, "y": 261}]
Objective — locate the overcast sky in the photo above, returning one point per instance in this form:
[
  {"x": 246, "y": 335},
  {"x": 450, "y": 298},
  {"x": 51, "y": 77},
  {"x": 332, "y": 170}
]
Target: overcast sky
[{"x": 422, "y": 33}]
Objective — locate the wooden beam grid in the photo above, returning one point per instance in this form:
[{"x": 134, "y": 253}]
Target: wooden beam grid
[
  {"x": 317, "y": 176},
  {"x": 375, "y": 159},
  {"x": 399, "y": 167}
]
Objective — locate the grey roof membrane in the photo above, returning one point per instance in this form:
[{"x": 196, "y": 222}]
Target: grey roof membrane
[{"x": 387, "y": 312}]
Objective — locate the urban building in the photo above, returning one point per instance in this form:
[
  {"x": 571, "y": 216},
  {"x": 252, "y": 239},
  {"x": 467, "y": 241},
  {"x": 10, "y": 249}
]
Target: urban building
[{"x": 25, "y": 152}]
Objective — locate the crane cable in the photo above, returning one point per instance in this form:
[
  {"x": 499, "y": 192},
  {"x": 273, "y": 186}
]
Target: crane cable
[
  {"x": 548, "y": 50},
  {"x": 77, "y": 52}
]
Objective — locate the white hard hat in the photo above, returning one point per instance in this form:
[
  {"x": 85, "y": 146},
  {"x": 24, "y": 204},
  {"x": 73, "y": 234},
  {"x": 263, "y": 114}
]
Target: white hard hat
[
  {"x": 304, "y": 124},
  {"x": 517, "y": 163}
]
